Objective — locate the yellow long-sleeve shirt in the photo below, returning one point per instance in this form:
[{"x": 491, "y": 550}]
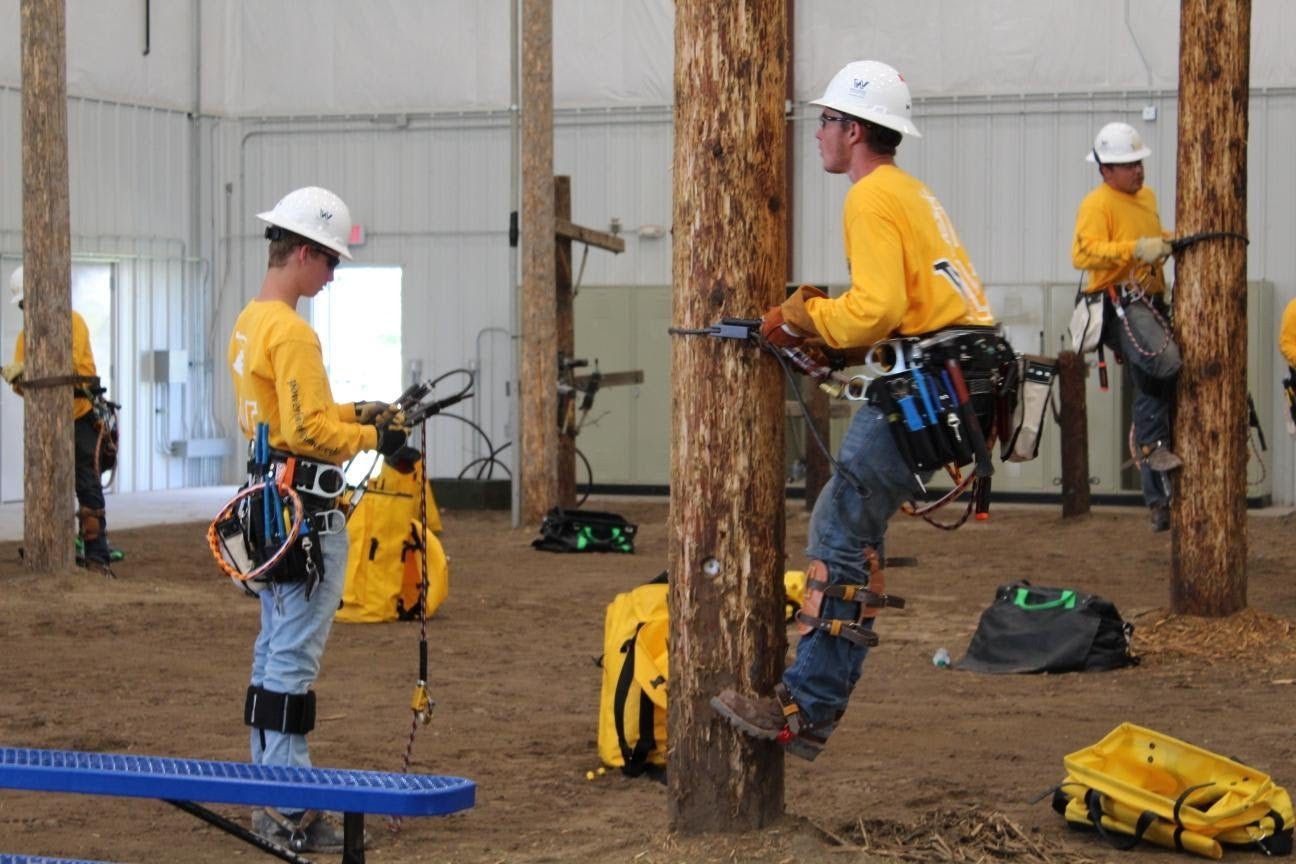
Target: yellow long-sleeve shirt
[
  {"x": 1108, "y": 223},
  {"x": 82, "y": 359},
  {"x": 278, "y": 372},
  {"x": 909, "y": 272},
  {"x": 1287, "y": 334}
]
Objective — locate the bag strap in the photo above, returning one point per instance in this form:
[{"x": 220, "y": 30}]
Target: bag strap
[
  {"x": 1067, "y": 600},
  {"x": 1119, "y": 841},
  {"x": 635, "y": 758}
]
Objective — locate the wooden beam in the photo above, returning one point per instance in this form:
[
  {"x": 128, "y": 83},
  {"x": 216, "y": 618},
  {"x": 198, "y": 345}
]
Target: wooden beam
[
  {"x": 48, "y": 487},
  {"x": 602, "y": 239},
  {"x": 612, "y": 379},
  {"x": 1072, "y": 373}
]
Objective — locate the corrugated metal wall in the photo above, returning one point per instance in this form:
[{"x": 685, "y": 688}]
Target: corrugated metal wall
[
  {"x": 130, "y": 177},
  {"x": 433, "y": 192}
]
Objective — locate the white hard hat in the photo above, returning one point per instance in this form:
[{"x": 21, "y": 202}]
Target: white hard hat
[
  {"x": 316, "y": 214},
  {"x": 16, "y": 285},
  {"x": 871, "y": 91},
  {"x": 1117, "y": 144}
]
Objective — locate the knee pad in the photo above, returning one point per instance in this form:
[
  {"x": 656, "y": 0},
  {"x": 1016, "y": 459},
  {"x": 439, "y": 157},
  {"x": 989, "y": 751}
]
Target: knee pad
[
  {"x": 91, "y": 523},
  {"x": 288, "y": 713}
]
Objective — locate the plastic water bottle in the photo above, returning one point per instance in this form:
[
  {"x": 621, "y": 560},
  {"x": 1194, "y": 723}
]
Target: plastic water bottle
[{"x": 941, "y": 659}]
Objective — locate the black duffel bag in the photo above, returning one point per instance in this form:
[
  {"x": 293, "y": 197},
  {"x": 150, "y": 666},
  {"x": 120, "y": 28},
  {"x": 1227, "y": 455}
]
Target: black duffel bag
[
  {"x": 1031, "y": 628},
  {"x": 584, "y": 531}
]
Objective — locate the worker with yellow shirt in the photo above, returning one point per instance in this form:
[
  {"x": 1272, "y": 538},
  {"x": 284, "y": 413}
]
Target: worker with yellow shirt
[
  {"x": 92, "y": 522},
  {"x": 1120, "y": 242},
  {"x": 279, "y": 379},
  {"x": 910, "y": 276}
]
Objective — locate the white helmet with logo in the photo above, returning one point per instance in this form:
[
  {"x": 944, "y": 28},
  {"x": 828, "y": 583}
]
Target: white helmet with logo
[
  {"x": 16, "y": 285},
  {"x": 316, "y": 214},
  {"x": 1118, "y": 144},
  {"x": 871, "y": 91}
]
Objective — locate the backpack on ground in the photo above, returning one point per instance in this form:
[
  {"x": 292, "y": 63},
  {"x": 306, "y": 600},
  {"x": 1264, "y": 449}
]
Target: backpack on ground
[
  {"x": 388, "y": 542},
  {"x": 1138, "y": 784},
  {"x": 632, "y": 706},
  {"x": 1030, "y": 628},
  {"x": 584, "y": 531}
]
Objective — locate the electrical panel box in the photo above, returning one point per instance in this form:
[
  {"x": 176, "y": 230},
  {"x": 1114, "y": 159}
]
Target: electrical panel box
[{"x": 165, "y": 367}]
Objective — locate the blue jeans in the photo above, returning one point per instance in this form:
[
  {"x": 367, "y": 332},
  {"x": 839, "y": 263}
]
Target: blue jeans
[
  {"x": 845, "y": 520},
  {"x": 89, "y": 486},
  {"x": 1153, "y": 361},
  {"x": 286, "y": 656}
]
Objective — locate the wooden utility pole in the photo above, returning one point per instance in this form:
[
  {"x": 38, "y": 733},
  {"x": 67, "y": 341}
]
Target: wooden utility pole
[
  {"x": 48, "y": 489},
  {"x": 727, "y": 499},
  {"x": 1208, "y": 544},
  {"x": 573, "y": 387},
  {"x": 1075, "y": 433},
  {"x": 538, "y": 457}
]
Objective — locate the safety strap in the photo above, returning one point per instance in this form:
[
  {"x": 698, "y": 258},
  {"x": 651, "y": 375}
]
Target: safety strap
[
  {"x": 287, "y": 713},
  {"x": 62, "y": 381},
  {"x": 636, "y": 758}
]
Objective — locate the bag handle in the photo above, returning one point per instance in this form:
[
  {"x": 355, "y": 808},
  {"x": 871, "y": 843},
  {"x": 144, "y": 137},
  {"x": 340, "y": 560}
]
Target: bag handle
[{"x": 1067, "y": 600}]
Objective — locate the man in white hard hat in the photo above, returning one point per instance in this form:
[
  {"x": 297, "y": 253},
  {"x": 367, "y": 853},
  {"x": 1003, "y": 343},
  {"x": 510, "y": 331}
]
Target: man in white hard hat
[
  {"x": 910, "y": 276},
  {"x": 92, "y": 521},
  {"x": 279, "y": 380},
  {"x": 1119, "y": 240}
]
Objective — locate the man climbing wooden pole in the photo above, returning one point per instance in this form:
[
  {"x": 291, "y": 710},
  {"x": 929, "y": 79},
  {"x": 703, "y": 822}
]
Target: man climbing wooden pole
[
  {"x": 727, "y": 505},
  {"x": 1208, "y": 547},
  {"x": 48, "y": 526}
]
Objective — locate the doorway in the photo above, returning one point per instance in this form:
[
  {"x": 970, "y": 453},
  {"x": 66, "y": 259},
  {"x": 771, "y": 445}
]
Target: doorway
[
  {"x": 92, "y": 297},
  {"x": 358, "y": 319}
]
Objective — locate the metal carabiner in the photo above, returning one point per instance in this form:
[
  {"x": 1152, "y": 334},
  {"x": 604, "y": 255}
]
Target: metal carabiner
[
  {"x": 330, "y": 521},
  {"x": 880, "y": 367}
]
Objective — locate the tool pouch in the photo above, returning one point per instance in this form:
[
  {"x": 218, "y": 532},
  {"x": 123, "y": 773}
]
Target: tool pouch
[
  {"x": 1020, "y": 443},
  {"x": 303, "y": 560},
  {"x": 1087, "y": 322}
]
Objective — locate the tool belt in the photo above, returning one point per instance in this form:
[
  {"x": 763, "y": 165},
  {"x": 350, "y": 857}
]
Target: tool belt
[{"x": 942, "y": 399}]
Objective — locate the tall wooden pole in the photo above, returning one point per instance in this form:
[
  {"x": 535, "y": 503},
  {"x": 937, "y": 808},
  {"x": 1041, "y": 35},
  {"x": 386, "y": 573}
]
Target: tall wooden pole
[
  {"x": 538, "y": 464},
  {"x": 565, "y": 340},
  {"x": 48, "y": 487},
  {"x": 727, "y": 501},
  {"x": 1208, "y": 545}
]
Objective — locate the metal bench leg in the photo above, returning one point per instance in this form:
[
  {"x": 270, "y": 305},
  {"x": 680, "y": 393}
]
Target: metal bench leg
[
  {"x": 237, "y": 830},
  {"x": 353, "y": 838}
]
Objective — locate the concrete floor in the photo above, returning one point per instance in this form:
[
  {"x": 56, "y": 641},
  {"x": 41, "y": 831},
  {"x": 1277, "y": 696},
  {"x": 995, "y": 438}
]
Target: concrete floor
[{"x": 138, "y": 509}]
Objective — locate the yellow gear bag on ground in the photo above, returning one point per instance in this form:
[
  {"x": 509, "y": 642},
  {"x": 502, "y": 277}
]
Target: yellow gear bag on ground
[
  {"x": 1138, "y": 784},
  {"x": 632, "y": 706},
  {"x": 385, "y": 565}
]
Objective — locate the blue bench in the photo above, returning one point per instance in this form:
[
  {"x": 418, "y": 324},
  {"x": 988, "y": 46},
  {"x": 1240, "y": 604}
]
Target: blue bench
[
  {"x": 180, "y": 782},
  {"x": 41, "y": 859}
]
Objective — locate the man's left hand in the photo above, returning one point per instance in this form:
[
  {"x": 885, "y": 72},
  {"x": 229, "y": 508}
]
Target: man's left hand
[
  {"x": 12, "y": 372},
  {"x": 778, "y": 332}
]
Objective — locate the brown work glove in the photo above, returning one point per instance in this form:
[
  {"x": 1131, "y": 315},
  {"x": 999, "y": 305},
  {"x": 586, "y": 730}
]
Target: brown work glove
[
  {"x": 777, "y": 332},
  {"x": 12, "y": 372},
  {"x": 795, "y": 312}
]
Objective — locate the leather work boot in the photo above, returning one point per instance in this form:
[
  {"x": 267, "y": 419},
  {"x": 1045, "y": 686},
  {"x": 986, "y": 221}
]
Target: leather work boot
[
  {"x": 759, "y": 717},
  {"x": 1159, "y": 517},
  {"x": 1159, "y": 457}
]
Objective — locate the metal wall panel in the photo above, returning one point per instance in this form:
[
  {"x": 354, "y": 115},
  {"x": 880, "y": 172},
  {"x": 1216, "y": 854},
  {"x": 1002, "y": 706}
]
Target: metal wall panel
[{"x": 130, "y": 180}]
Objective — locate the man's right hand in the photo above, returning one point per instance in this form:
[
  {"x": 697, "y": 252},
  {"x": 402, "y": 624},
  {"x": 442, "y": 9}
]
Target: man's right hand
[
  {"x": 12, "y": 372},
  {"x": 778, "y": 332},
  {"x": 1151, "y": 250}
]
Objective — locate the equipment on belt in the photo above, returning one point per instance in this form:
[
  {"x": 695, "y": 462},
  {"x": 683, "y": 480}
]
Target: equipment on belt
[
  {"x": 1139, "y": 784},
  {"x": 946, "y": 396}
]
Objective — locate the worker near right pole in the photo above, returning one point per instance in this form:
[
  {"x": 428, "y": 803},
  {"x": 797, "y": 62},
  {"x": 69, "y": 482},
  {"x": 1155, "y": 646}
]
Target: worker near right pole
[{"x": 1120, "y": 242}]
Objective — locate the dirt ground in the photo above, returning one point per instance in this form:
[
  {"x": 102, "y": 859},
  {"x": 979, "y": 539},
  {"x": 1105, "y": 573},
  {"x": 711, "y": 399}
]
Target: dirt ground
[{"x": 928, "y": 765}]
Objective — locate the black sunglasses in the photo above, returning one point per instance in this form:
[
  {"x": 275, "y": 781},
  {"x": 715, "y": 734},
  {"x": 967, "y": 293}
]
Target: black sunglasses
[{"x": 332, "y": 259}]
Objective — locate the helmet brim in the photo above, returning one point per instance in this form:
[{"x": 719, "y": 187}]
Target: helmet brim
[
  {"x": 309, "y": 234},
  {"x": 890, "y": 121},
  {"x": 1134, "y": 156}
]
